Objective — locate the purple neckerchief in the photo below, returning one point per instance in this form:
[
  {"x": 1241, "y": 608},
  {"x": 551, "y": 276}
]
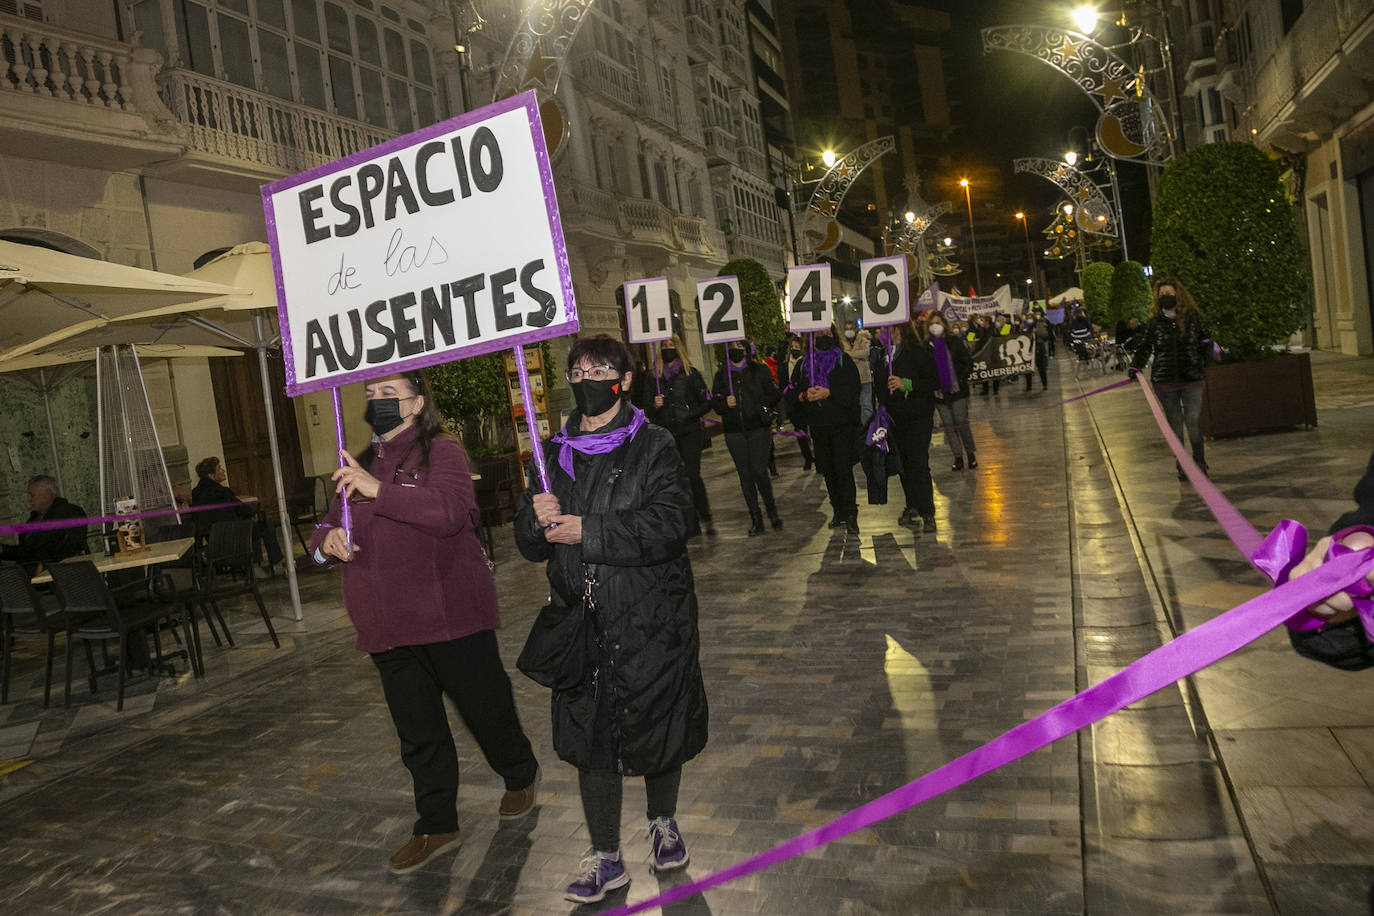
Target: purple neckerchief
[
  {"x": 595, "y": 443},
  {"x": 944, "y": 365},
  {"x": 672, "y": 369},
  {"x": 826, "y": 361},
  {"x": 878, "y": 428}
]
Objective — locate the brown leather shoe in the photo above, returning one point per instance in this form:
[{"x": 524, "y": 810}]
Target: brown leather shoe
[
  {"x": 420, "y": 849},
  {"x": 518, "y": 802}
]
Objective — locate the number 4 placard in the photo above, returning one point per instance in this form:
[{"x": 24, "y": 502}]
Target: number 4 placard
[
  {"x": 722, "y": 310},
  {"x": 648, "y": 311},
  {"x": 885, "y": 296},
  {"x": 808, "y": 294}
]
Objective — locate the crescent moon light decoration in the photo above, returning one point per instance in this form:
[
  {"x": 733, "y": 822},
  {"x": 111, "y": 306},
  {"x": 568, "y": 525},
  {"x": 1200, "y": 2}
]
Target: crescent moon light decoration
[
  {"x": 1131, "y": 124},
  {"x": 822, "y": 210},
  {"x": 536, "y": 56},
  {"x": 1092, "y": 211}
]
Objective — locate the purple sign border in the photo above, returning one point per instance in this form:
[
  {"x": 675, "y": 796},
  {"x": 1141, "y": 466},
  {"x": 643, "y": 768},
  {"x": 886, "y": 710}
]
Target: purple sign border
[
  {"x": 525, "y": 100},
  {"x": 906, "y": 285},
  {"x": 629, "y": 323},
  {"x": 826, "y": 265},
  {"x": 738, "y": 294}
]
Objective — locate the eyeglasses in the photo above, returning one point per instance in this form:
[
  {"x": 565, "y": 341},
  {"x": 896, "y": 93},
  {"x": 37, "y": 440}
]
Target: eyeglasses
[{"x": 595, "y": 373}]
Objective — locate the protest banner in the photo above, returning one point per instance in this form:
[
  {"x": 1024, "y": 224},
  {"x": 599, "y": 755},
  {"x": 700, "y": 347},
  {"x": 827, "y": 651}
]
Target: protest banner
[
  {"x": 962, "y": 308},
  {"x": 1002, "y": 356},
  {"x": 441, "y": 244}
]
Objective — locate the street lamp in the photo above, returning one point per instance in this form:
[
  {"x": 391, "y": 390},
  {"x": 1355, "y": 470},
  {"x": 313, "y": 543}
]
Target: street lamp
[
  {"x": 828, "y": 157},
  {"x": 1071, "y": 157},
  {"x": 1085, "y": 18},
  {"x": 910, "y": 216},
  {"x": 1030, "y": 252},
  {"x": 972, "y": 238}
]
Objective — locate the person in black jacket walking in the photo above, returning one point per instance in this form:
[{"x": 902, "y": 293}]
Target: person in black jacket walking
[
  {"x": 679, "y": 408},
  {"x": 828, "y": 406},
  {"x": 748, "y": 433},
  {"x": 952, "y": 396},
  {"x": 613, "y": 529},
  {"x": 909, "y": 397},
  {"x": 1177, "y": 338}
]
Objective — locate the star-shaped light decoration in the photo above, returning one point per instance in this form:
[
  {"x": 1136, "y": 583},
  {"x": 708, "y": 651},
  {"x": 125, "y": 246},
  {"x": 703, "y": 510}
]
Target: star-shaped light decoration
[
  {"x": 1084, "y": 193},
  {"x": 1111, "y": 90},
  {"x": 842, "y": 171},
  {"x": 538, "y": 69},
  {"x": 1069, "y": 48}
]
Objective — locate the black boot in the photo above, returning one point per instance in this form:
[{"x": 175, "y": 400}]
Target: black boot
[
  {"x": 836, "y": 521},
  {"x": 755, "y": 523},
  {"x": 851, "y": 524},
  {"x": 774, "y": 518}
]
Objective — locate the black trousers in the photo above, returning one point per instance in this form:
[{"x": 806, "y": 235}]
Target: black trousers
[
  {"x": 750, "y": 450},
  {"x": 602, "y": 794},
  {"x": 415, "y": 680},
  {"x": 834, "y": 447},
  {"x": 1042, "y": 365},
  {"x": 689, "y": 446},
  {"x": 912, "y": 435}
]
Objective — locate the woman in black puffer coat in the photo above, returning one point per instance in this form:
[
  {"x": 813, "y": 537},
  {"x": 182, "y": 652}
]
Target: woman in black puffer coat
[
  {"x": 1177, "y": 338},
  {"x": 615, "y": 524},
  {"x": 679, "y": 407}
]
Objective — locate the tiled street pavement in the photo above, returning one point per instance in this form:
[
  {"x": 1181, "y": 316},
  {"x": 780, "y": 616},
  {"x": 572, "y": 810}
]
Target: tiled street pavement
[{"x": 838, "y": 668}]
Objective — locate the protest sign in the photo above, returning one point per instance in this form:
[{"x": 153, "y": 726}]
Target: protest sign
[
  {"x": 1003, "y": 356},
  {"x": 962, "y": 308},
  {"x": 808, "y": 297},
  {"x": 438, "y": 245},
  {"x": 886, "y": 299},
  {"x": 648, "y": 310},
  {"x": 722, "y": 309}
]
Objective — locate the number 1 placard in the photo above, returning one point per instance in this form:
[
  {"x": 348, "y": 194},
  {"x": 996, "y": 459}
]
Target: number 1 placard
[
  {"x": 648, "y": 311},
  {"x": 722, "y": 310},
  {"x": 808, "y": 294},
  {"x": 885, "y": 296}
]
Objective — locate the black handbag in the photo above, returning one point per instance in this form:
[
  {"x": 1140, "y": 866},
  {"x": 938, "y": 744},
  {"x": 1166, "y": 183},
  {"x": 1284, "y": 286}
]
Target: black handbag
[{"x": 556, "y": 651}]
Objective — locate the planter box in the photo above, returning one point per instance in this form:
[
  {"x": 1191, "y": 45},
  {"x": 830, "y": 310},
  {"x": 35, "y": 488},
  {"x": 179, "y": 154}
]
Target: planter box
[{"x": 1252, "y": 397}]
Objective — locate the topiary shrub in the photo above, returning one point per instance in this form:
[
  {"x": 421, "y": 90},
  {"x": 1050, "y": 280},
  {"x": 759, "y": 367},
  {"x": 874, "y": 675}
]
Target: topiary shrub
[
  {"x": 762, "y": 311},
  {"x": 1224, "y": 226},
  {"x": 1131, "y": 294},
  {"x": 1096, "y": 281}
]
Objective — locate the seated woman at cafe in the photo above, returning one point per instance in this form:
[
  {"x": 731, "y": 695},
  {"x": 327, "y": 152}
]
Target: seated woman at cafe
[
  {"x": 46, "y": 505},
  {"x": 211, "y": 490}
]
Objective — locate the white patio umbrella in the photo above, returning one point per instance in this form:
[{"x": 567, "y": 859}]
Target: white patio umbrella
[{"x": 47, "y": 296}]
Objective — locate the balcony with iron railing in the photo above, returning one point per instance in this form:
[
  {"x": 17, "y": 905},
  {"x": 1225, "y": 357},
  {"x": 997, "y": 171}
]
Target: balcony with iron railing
[
  {"x": 600, "y": 215},
  {"x": 241, "y": 136},
  {"x": 721, "y": 144},
  {"x": 595, "y": 72},
  {"x": 701, "y": 38},
  {"x": 78, "y": 98}
]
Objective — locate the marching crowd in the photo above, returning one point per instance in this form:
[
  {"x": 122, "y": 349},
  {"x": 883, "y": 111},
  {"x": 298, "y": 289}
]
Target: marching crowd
[{"x": 618, "y": 642}]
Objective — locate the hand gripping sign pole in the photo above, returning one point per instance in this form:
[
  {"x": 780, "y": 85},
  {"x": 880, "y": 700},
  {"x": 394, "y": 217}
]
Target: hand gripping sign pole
[
  {"x": 531, "y": 420},
  {"x": 345, "y": 512}
]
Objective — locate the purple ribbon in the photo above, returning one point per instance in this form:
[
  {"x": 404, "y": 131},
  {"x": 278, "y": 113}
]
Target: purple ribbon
[
  {"x": 595, "y": 443},
  {"x": 879, "y": 428},
  {"x": 944, "y": 365},
  {"x": 1284, "y": 549},
  {"x": 1191, "y": 652},
  {"x": 56, "y": 524},
  {"x": 823, "y": 362}
]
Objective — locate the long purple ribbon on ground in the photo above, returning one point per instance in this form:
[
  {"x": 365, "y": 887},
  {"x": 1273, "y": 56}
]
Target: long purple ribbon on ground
[
  {"x": 59, "y": 523},
  {"x": 1191, "y": 652},
  {"x": 1205, "y": 644}
]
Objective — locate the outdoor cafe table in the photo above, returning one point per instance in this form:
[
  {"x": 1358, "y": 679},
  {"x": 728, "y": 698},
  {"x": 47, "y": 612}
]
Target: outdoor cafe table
[{"x": 162, "y": 552}]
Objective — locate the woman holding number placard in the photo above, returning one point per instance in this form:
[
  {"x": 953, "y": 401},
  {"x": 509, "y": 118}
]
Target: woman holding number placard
[
  {"x": 745, "y": 402},
  {"x": 682, "y": 401},
  {"x": 418, "y": 589},
  {"x": 908, "y": 394},
  {"x": 613, "y": 529},
  {"x": 828, "y": 406}
]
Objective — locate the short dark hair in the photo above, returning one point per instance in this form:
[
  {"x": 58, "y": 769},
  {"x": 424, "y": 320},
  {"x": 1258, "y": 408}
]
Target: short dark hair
[
  {"x": 46, "y": 481},
  {"x": 207, "y": 466},
  {"x": 600, "y": 350}
]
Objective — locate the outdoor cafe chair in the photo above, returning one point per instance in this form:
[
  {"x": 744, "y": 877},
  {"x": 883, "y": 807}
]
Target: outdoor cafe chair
[
  {"x": 94, "y": 615},
  {"x": 229, "y": 554},
  {"x": 22, "y": 617}
]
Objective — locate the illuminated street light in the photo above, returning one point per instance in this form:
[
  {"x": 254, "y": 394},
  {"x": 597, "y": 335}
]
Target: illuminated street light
[
  {"x": 1071, "y": 158},
  {"x": 948, "y": 241},
  {"x": 1030, "y": 252},
  {"x": 828, "y": 157},
  {"x": 972, "y": 238},
  {"x": 1085, "y": 18},
  {"x": 910, "y": 216}
]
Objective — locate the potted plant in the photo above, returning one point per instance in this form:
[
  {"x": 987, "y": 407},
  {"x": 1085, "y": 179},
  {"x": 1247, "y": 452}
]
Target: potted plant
[{"x": 1224, "y": 226}]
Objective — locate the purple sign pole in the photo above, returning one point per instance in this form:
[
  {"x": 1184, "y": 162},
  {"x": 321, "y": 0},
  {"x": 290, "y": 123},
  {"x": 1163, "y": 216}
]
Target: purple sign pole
[
  {"x": 811, "y": 369},
  {"x": 345, "y": 513},
  {"x": 658, "y": 382},
  {"x": 531, "y": 421},
  {"x": 729, "y": 371}
]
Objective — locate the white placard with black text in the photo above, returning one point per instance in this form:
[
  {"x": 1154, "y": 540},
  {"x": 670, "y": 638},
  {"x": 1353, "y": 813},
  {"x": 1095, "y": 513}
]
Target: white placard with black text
[
  {"x": 722, "y": 310},
  {"x": 648, "y": 310},
  {"x": 808, "y": 297},
  {"x": 886, "y": 299}
]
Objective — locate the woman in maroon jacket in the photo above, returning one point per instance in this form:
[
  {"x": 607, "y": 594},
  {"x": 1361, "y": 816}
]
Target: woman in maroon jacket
[{"x": 419, "y": 592}]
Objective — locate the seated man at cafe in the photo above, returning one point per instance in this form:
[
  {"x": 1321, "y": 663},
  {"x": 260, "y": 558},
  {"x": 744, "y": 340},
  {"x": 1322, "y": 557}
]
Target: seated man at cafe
[
  {"x": 211, "y": 490},
  {"x": 53, "y": 546}
]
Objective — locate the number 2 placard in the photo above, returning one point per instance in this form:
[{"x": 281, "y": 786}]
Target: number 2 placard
[
  {"x": 808, "y": 294},
  {"x": 722, "y": 310},
  {"x": 648, "y": 311},
  {"x": 884, "y": 285}
]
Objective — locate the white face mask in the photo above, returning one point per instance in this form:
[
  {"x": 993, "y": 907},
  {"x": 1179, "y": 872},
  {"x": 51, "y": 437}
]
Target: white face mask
[{"x": 937, "y": 330}]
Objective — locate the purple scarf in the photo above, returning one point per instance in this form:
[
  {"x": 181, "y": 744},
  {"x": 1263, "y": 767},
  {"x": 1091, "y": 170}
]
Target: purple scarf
[
  {"x": 672, "y": 369},
  {"x": 826, "y": 361},
  {"x": 944, "y": 365},
  {"x": 595, "y": 443}
]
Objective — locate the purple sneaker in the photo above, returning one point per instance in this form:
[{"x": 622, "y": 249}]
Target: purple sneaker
[
  {"x": 670, "y": 851},
  {"x": 599, "y": 873}
]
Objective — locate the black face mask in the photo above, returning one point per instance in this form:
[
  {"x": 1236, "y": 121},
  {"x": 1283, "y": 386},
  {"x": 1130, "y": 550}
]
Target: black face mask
[
  {"x": 669, "y": 356},
  {"x": 383, "y": 415},
  {"x": 736, "y": 355},
  {"x": 595, "y": 398},
  {"x": 1167, "y": 302},
  {"x": 824, "y": 343},
  {"x": 796, "y": 351}
]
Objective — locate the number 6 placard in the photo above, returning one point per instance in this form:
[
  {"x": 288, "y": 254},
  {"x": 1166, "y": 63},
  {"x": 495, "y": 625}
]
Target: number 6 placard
[
  {"x": 722, "y": 310},
  {"x": 808, "y": 294},
  {"x": 648, "y": 311},
  {"x": 885, "y": 297}
]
